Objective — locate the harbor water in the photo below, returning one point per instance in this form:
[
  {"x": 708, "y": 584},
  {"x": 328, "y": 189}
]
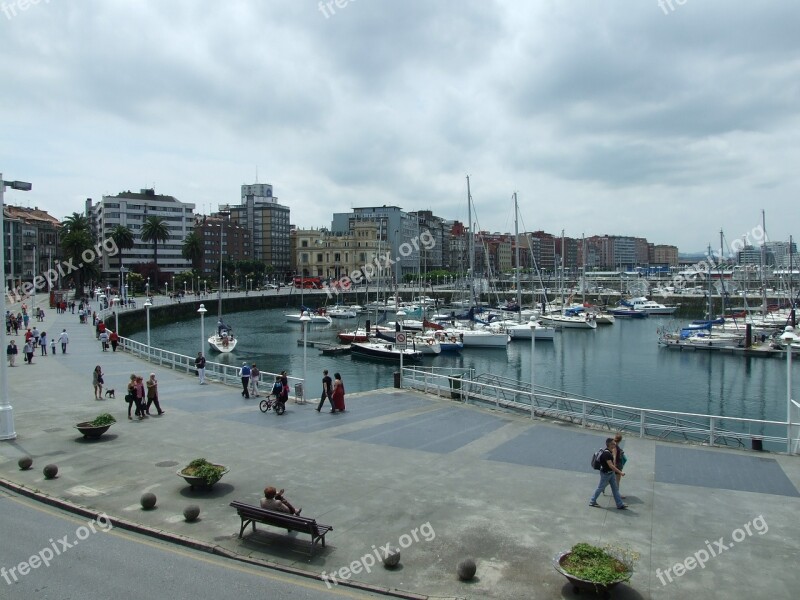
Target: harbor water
[{"x": 620, "y": 364}]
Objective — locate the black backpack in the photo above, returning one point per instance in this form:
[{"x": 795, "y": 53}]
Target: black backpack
[{"x": 597, "y": 458}]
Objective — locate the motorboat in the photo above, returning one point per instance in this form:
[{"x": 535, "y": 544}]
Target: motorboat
[
  {"x": 628, "y": 312},
  {"x": 651, "y": 307},
  {"x": 316, "y": 317},
  {"x": 223, "y": 341},
  {"x": 343, "y": 312},
  {"x": 384, "y": 351},
  {"x": 522, "y": 331},
  {"x": 570, "y": 321}
]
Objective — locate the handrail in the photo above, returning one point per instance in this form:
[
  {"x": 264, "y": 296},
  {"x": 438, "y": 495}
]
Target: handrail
[
  {"x": 225, "y": 374},
  {"x": 588, "y": 412}
]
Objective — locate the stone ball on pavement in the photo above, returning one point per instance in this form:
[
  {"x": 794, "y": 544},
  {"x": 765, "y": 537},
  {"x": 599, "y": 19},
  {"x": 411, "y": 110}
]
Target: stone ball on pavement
[
  {"x": 392, "y": 559},
  {"x": 50, "y": 471},
  {"x": 148, "y": 500},
  {"x": 191, "y": 512},
  {"x": 25, "y": 463},
  {"x": 466, "y": 569}
]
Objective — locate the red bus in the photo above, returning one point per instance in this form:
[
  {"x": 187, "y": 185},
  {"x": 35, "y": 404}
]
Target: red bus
[{"x": 312, "y": 283}]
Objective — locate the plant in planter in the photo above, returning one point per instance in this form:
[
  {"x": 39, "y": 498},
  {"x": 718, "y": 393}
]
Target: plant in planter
[
  {"x": 202, "y": 473},
  {"x": 97, "y": 427},
  {"x": 592, "y": 568}
]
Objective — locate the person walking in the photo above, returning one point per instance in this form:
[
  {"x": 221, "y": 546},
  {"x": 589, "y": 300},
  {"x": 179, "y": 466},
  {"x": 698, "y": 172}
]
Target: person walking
[
  {"x": 245, "y": 374},
  {"x": 63, "y": 338},
  {"x": 97, "y": 382},
  {"x": 619, "y": 459},
  {"x": 607, "y": 472},
  {"x": 337, "y": 397},
  {"x": 114, "y": 339},
  {"x": 104, "y": 340},
  {"x": 28, "y": 351},
  {"x": 52, "y": 346},
  {"x": 255, "y": 375},
  {"x": 200, "y": 365},
  {"x": 11, "y": 353},
  {"x": 140, "y": 395},
  {"x": 130, "y": 397},
  {"x": 43, "y": 342},
  {"x": 327, "y": 390},
  {"x": 35, "y": 335},
  {"x": 152, "y": 395}
]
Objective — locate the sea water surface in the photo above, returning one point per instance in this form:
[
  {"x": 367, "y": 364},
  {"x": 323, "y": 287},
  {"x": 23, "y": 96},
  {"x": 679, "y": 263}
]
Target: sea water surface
[{"x": 620, "y": 363}]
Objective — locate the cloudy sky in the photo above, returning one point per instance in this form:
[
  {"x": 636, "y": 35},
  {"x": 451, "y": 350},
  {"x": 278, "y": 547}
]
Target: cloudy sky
[{"x": 606, "y": 116}]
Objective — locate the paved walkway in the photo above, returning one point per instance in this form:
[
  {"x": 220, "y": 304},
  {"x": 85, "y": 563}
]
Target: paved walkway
[{"x": 446, "y": 480}]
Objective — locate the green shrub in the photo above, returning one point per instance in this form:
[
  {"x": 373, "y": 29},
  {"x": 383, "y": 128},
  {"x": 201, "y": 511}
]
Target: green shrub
[
  {"x": 104, "y": 419},
  {"x": 200, "y": 467},
  {"x": 600, "y": 565}
]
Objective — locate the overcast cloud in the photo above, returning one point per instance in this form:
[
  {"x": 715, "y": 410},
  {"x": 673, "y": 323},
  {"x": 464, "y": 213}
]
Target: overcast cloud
[{"x": 606, "y": 116}]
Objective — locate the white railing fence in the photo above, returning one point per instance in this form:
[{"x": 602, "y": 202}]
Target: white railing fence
[{"x": 714, "y": 430}]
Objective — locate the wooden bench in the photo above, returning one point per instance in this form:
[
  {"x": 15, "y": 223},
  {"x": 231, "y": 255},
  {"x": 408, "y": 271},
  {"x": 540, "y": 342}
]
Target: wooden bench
[{"x": 251, "y": 514}]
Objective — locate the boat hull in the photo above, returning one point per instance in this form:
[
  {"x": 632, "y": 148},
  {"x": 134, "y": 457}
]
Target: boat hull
[
  {"x": 220, "y": 344},
  {"x": 383, "y": 351}
]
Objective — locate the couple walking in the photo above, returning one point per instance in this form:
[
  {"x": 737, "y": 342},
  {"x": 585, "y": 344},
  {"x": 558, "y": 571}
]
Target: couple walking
[
  {"x": 333, "y": 391},
  {"x": 136, "y": 395}
]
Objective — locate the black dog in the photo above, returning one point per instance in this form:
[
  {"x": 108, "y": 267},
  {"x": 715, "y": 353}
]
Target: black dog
[{"x": 110, "y": 394}]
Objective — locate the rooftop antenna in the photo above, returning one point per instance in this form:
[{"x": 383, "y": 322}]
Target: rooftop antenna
[{"x": 256, "y": 173}]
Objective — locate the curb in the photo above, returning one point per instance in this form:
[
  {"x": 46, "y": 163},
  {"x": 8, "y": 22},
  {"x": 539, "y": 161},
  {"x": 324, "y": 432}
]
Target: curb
[{"x": 188, "y": 542}]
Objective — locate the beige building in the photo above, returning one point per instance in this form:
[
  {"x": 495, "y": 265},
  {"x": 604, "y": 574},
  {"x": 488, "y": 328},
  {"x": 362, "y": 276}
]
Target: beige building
[
  {"x": 320, "y": 253},
  {"x": 665, "y": 255}
]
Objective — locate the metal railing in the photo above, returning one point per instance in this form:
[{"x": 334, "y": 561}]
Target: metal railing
[
  {"x": 505, "y": 393},
  {"x": 216, "y": 372}
]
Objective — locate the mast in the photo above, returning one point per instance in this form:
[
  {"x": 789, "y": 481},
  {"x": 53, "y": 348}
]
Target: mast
[
  {"x": 471, "y": 246},
  {"x": 563, "y": 308},
  {"x": 763, "y": 265},
  {"x": 721, "y": 271},
  {"x": 516, "y": 259}
]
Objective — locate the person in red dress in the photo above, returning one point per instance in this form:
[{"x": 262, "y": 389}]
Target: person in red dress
[{"x": 337, "y": 397}]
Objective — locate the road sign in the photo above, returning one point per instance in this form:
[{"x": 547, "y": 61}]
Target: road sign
[{"x": 400, "y": 338}]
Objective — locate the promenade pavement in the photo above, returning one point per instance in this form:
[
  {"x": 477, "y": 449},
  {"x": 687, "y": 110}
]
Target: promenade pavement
[{"x": 444, "y": 480}]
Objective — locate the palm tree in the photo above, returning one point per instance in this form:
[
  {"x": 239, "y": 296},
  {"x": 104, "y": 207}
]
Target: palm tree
[
  {"x": 76, "y": 237},
  {"x": 155, "y": 230},
  {"x": 123, "y": 238},
  {"x": 193, "y": 250}
]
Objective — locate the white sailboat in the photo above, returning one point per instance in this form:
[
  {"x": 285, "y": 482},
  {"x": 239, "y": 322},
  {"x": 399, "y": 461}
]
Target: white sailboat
[{"x": 222, "y": 341}]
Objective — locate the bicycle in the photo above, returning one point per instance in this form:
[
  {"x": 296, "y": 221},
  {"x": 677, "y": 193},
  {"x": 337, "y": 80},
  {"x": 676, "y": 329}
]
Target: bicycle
[{"x": 272, "y": 403}]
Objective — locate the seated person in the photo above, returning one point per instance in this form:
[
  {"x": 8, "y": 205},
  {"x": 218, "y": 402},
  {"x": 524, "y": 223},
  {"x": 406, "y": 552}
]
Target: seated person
[{"x": 274, "y": 500}]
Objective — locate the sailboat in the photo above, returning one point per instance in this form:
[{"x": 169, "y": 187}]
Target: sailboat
[
  {"x": 223, "y": 340},
  {"x": 315, "y": 316}
]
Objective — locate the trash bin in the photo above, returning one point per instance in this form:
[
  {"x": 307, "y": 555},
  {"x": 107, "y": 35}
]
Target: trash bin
[
  {"x": 397, "y": 379},
  {"x": 298, "y": 392},
  {"x": 757, "y": 444},
  {"x": 455, "y": 386}
]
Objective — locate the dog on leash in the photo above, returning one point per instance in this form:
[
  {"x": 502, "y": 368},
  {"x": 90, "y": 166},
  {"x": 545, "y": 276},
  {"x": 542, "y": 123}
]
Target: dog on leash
[{"x": 110, "y": 394}]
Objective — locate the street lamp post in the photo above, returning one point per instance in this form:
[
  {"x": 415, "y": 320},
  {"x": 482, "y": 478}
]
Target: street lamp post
[
  {"x": 147, "y": 305},
  {"x": 789, "y": 336},
  {"x": 33, "y": 291},
  {"x": 533, "y": 371},
  {"x": 305, "y": 320},
  {"x": 202, "y": 310},
  {"x": 6, "y": 410},
  {"x": 147, "y": 288},
  {"x": 400, "y": 316}
]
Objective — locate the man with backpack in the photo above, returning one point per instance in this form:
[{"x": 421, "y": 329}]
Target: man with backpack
[{"x": 603, "y": 461}]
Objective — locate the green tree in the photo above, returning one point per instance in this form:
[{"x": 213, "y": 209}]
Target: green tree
[
  {"x": 193, "y": 250},
  {"x": 123, "y": 238},
  {"x": 76, "y": 238},
  {"x": 155, "y": 230}
]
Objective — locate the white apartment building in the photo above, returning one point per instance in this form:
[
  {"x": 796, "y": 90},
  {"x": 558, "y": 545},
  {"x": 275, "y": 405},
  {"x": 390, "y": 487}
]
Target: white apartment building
[{"x": 131, "y": 209}]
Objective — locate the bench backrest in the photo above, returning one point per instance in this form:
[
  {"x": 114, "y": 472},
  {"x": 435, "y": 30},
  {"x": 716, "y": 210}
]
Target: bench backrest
[{"x": 277, "y": 518}]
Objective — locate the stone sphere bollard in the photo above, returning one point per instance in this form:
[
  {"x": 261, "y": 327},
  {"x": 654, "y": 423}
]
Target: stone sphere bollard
[
  {"x": 148, "y": 500},
  {"x": 25, "y": 463},
  {"x": 50, "y": 471},
  {"x": 391, "y": 560},
  {"x": 191, "y": 512},
  {"x": 466, "y": 569}
]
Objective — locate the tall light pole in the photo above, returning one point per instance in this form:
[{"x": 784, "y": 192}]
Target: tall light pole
[
  {"x": 202, "y": 310},
  {"x": 532, "y": 324},
  {"x": 33, "y": 292},
  {"x": 305, "y": 320},
  {"x": 7, "y": 431},
  {"x": 400, "y": 316},
  {"x": 147, "y": 288},
  {"x": 789, "y": 336},
  {"x": 147, "y": 305}
]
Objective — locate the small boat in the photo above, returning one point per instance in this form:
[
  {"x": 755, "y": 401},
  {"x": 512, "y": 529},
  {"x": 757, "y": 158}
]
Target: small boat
[
  {"x": 383, "y": 351},
  {"x": 628, "y": 312},
  {"x": 343, "y": 312},
  {"x": 223, "y": 340},
  {"x": 522, "y": 331},
  {"x": 570, "y": 321},
  {"x": 650, "y": 306},
  {"x": 448, "y": 342},
  {"x": 318, "y": 316},
  {"x": 479, "y": 338}
]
